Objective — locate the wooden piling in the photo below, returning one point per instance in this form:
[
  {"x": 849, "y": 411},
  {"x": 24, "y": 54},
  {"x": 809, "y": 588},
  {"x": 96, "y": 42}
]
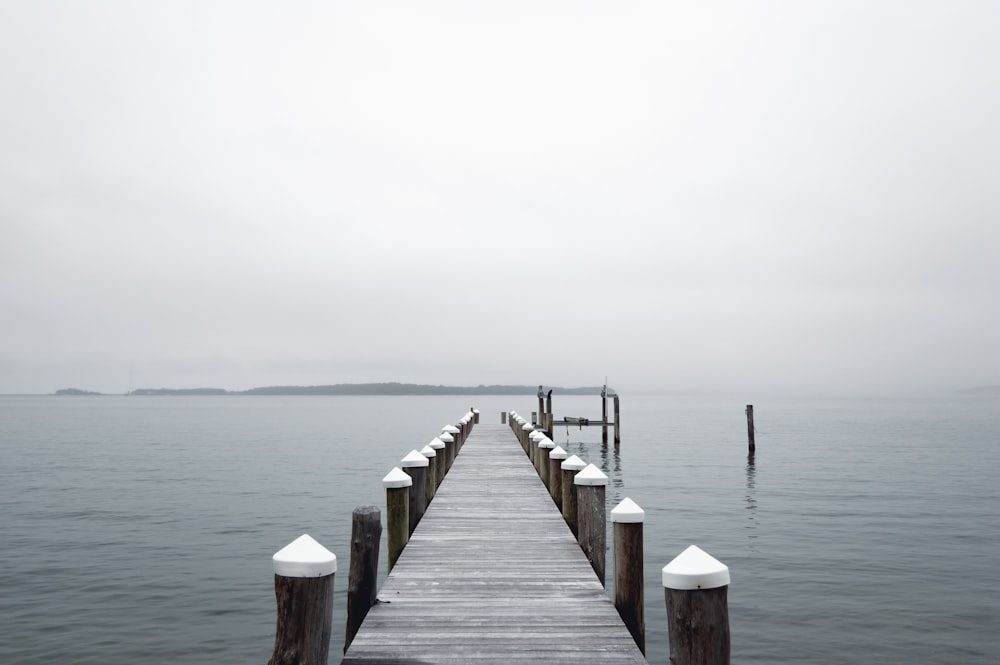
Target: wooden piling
[
  {"x": 503, "y": 417},
  {"x": 749, "y": 411},
  {"x": 618, "y": 421},
  {"x": 431, "y": 486},
  {"x": 604, "y": 415},
  {"x": 545, "y": 446},
  {"x": 451, "y": 448},
  {"x": 591, "y": 484},
  {"x": 303, "y": 588},
  {"x": 628, "y": 517},
  {"x": 556, "y": 458},
  {"x": 570, "y": 467},
  {"x": 397, "y": 486},
  {"x": 366, "y": 532},
  {"x": 440, "y": 461},
  {"x": 415, "y": 466},
  {"x": 696, "y": 588}
]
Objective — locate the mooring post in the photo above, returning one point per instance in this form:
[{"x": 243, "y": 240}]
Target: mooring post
[
  {"x": 604, "y": 414},
  {"x": 534, "y": 436},
  {"x": 519, "y": 433},
  {"x": 548, "y": 412},
  {"x": 696, "y": 587},
  {"x": 397, "y": 486},
  {"x": 475, "y": 416},
  {"x": 570, "y": 467},
  {"x": 440, "y": 463},
  {"x": 628, "y": 517},
  {"x": 366, "y": 532},
  {"x": 415, "y": 466},
  {"x": 503, "y": 417},
  {"x": 526, "y": 430},
  {"x": 430, "y": 454},
  {"x": 556, "y": 458},
  {"x": 592, "y": 516},
  {"x": 451, "y": 446},
  {"x": 303, "y": 588},
  {"x": 753, "y": 446},
  {"x": 618, "y": 423},
  {"x": 545, "y": 446}
]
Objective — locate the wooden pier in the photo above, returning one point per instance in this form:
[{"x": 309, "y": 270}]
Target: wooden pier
[{"x": 492, "y": 574}]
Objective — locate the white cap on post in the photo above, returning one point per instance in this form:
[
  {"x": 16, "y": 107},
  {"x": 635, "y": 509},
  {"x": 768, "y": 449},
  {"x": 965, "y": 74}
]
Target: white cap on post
[
  {"x": 397, "y": 478},
  {"x": 574, "y": 463},
  {"x": 535, "y": 435},
  {"x": 413, "y": 459},
  {"x": 545, "y": 442},
  {"x": 693, "y": 569},
  {"x": 628, "y": 512},
  {"x": 427, "y": 451},
  {"x": 436, "y": 443},
  {"x": 527, "y": 427},
  {"x": 450, "y": 429},
  {"x": 304, "y": 557},
  {"x": 590, "y": 475},
  {"x": 447, "y": 438},
  {"x": 557, "y": 453}
]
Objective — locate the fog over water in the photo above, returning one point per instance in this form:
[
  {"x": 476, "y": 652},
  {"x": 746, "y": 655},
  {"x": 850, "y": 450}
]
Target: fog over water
[{"x": 789, "y": 198}]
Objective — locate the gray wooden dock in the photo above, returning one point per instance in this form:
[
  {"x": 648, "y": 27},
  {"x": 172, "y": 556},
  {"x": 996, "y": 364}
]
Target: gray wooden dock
[{"x": 492, "y": 574}]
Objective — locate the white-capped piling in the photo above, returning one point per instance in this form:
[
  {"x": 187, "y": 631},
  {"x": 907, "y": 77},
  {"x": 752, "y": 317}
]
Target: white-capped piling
[
  {"x": 362, "y": 580},
  {"x": 592, "y": 516},
  {"x": 556, "y": 457},
  {"x": 397, "y": 484},
  {"x": 628, "y": 518},
  {"x": 303, "y": 589},
  {"x": 534, "y": 436},
  {"x": 440, "y": 461},
  {"x": 415, "y": 466},
  {"x": 431, "y": 485},
  {"x": 570, "y": 467},
  {"x": 526, "y": 430},
  {"x": 545, "y": 446},
  {"x": 696, "y": 586},
  {"x": 450, "y": 435}
]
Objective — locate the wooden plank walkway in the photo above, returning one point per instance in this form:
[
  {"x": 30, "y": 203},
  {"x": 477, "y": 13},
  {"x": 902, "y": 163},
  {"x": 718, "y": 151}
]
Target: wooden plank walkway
[{"x": 492, "y": 574}]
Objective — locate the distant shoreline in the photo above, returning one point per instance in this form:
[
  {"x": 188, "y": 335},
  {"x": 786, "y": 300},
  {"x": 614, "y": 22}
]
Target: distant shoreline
[{"x": 368, "y": 389}]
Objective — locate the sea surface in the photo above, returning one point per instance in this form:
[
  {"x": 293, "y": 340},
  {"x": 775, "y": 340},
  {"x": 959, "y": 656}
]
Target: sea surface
[{"x": 141, "y": 529}]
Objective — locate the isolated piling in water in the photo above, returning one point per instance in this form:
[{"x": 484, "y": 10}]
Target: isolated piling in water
[
  {"x": 618, "y": 423},
  {"x": 696, "y": 586},
  {"x": 303, "y": 589},
  {"x": 430, "y": 454},
  {"x": 366, "y": 532},
  {"x": 415, "y": 466},
  {"x": 592, "y": 516},
  {"x": 556, "y": 457},
  {"x": 749, "y": 411},
  {"x": 397, "y": 485},
  {"x": 440, "y": 461},
  {"x": 628, "y": 518},
  {"x": 570, "y": 467},
  {"x": 604, "y": 415}
]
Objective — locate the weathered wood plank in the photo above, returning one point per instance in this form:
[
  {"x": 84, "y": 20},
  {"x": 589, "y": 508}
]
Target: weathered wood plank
[{"x": 492, "y": 574}]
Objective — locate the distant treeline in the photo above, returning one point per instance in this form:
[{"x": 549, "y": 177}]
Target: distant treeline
[{"x": 357, "y": 389}]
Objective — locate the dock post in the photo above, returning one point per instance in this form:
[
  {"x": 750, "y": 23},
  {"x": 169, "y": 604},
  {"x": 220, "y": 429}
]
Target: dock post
[
  {"x": 415, "y": 466},
  {"x": 362, "y": 581},
  {"x": 475, "y": 416},
  {"x": 303, "y": 588},
  {"x": 440, "y": 463},
  {"x": 696, "y": 587},
  {"x": 534, "y": 436},
  {"x": 591, "y": 484},
  {"x": 503, "y": 417},
  {"x": 397, "y": 512},
  {"x": 753, "y": 446},
  {"x": 545, "y": 446},
  {"x": 628, "y": 517},
  {"x": 451, "y": 446},
  {"x": 604, "y": 414},
  {"x": 548, "y": 412},
  {"x": 556, "y": 458},
  {"x": 569, "y": 469},
  {"x": 526, "y": 430},
  {"x": 431, "y": 486},
  {"x": 618, "y": 425}
]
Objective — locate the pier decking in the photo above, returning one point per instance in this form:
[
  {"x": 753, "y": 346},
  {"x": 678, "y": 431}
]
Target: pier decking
[{"x": 492, "y": 574}]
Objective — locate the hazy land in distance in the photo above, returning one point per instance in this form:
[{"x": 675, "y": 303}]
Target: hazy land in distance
[{"x": 352, "y": 389}]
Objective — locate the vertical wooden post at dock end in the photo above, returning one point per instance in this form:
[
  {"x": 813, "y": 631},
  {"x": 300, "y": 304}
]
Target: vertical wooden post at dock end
[
  {"x": 362, "y": 581},
  {"x": 397, "y": 486},
  {"x": 475, "y": 416},
  {"x": 303, "y": 589},
  {"x": 415, "y": 466},
  {"x": 696, "y": 587},
  {"x": 570, "y": 467},
  {"x": 431, "y": 485},
  {"x": 556, "y": 457},
  {"x": 628, "y": 517},
  {"x": 503, "y": 417},
  {"x": 750, "y": 430},
  {"x": 545, "y": 446},
  {"x": 440, "y": 461},
  {"x": 592, "y": 516}
]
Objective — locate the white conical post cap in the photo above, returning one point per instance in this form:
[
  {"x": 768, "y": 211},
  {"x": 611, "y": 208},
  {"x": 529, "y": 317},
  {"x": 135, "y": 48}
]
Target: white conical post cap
[
  {"x": 535, "y": 435},
  {"x": 590, "y": 475},
  {"x": 413, "y": 459},
  {"x": 304, "y": 557},
  {"x": 447, "y": 438},
  {"x": 527, "y": 427},
  {"x": 574, "y": 463},
  {"x": 545, "y": 442},
  {"x": 693, "y": 569},
  {"x": 628, "y": 512},
  {"x": 397, "y": 478},
  {"x": 450, "y": 429},
  {"x": 436, "y": 443},
  {"x": 557, "y": 453},
  {"x": 427, "y": 451}
]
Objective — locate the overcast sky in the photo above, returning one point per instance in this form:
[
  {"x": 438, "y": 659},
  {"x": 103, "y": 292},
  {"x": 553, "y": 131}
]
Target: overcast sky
[{"x": 790, "y": 197}]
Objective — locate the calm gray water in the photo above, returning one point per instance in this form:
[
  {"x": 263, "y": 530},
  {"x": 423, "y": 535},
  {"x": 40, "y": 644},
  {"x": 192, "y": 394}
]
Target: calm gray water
[{"x": 141, "y": 529}]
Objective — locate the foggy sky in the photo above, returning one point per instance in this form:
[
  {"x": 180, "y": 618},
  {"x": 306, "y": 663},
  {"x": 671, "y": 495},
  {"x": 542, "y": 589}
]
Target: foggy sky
[{"x": 789, "y": 197}]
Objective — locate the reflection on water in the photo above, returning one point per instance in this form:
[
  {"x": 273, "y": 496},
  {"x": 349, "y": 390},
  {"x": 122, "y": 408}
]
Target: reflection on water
[
  {"x": 606, "y": 457},
  {"x": 751, "y": 501}
]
